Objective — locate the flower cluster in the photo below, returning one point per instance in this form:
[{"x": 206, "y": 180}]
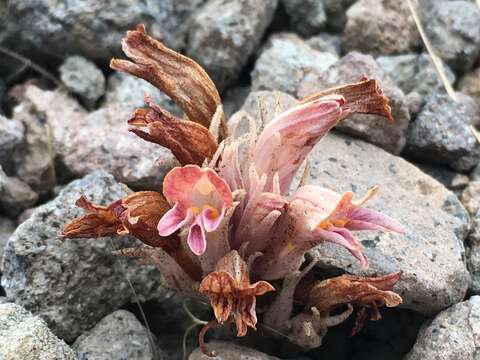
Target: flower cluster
[{"x": 227, "y": 224}]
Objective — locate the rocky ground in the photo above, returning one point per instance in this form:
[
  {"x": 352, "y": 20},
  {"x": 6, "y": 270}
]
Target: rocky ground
[{"x": 63, "y": 132}]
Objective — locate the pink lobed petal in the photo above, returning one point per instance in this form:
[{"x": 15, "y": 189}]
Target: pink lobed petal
[
  {"x": 173, "y": 220},
  {"x": 344, "y": 238},
  {"x": 287, "y": 139},
  {"x": 368, "y": 219},
  {"x": 196, "y": 237},
  {"x": 180, "y": 182},
  {"x": 210, "y": 220}
]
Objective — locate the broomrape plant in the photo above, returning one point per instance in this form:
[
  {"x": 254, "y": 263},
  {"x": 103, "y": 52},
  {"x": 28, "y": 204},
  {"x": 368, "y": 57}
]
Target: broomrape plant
[{"x": 224, "y": 226}]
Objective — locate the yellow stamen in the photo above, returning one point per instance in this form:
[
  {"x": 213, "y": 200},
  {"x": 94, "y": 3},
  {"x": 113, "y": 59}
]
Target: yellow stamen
[
  {"x": 195, "y": 210},
  {"x": 213, "y": 213},
  {"x": 327, "y": 222}
]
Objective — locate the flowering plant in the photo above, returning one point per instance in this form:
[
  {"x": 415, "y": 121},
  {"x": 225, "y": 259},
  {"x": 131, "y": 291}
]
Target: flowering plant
[{"x": 224, "y": 226}]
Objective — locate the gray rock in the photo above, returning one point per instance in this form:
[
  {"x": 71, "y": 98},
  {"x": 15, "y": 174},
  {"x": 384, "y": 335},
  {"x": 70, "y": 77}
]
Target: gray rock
[
  {"x": 117, "y": 336},
  {"x": 24, "y": 336},
  {"x": 7, "y": 226},
  {"x": 441, "y": 133},
  {"x": 34, "y": 161},
  {"x": 471, "y": 197},
  {"x": 230, "y": 351},
  {"x": 431, "y": 252},
  {"x": 11, "y": 137},
  {"x": 307, "y": 17},
  {"x": 285, "y": 61},
  {"x": 470, "y": 84},
  {"x": 326, "y": 42},
  {"x": 336, "y": 13},
  {"x": 454, "y": 334},
  {"x": 453, "y": 28},
  {"x": 224, "y": 33},
  {"x": 473, "y": 254},
  {"x": 15, "y": 195},
  {"x": 100, "y": 140},
  {"x": 415, "y": 75},
  {"x": 90, "y": 28},
  {"x": 129, "y": 92},
  {"x": 386, "y": 27},
  {"x": 83, "y": 78},
  {"x": 375, "y": 129},
  {"x": 73, "y": 284}
]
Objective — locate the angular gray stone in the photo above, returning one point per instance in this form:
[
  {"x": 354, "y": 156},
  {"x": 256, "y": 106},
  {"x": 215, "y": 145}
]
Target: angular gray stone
[
  {"x": 431, "y": 253},
  {"x": 307, "y": 17},
  {"x": 230, "y": 351},
  {"x": 285, "y": 61},
  {"x": 372, "y": 128},
  {"x": 471, "y": 197},
  {"x": 11, "y": 137},
  {"x": 7, "y": 226},
  {"x": 224, "y": 33},
  {"x": 92, "y": 29},
  {"x": 129, "y": 91},
  {"x": 15, "y": 195},
  {"x": 441, "y": 132},
  {"x": 473, "y": 254},
  {"x": 454, "y": 334},
  {"x": 27, "y": 337},
  {"x": 72, "y": 284},
  {"x": 326, "y": 42},
  {"x": 83, "y": 78},
  {"x": 453, "y": 28},
  {"x": 34, "y": 161},
  {"x": 100, "y": 141},
  {"x": 118, "y": 336},
  {"x": 415, "y": 75},
  {"x": 470, "y": 84},
  {"x": 386, "y": 27}
]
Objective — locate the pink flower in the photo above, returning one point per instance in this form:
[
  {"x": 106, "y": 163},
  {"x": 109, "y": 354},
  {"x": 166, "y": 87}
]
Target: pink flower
[
  {"x": 289, "y": 138},
  {"x": 199, "y": 198},
  {"x": 324, "y": 214}
]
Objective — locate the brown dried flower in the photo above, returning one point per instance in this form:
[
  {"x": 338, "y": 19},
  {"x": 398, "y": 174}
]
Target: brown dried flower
[
  {"x": 137, "y": 214},
  {"x": 232, "y": 294},
  {"x": 98, "y": 221},
  {"x": 176, "y": 75},
  {"x": 191, "y": 143},
  {"x": 362, "y": 97},
  {"x": 368, "y": 292}
]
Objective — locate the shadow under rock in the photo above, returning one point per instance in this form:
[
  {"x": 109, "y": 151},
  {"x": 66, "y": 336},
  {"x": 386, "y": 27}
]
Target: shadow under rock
[{"x": 391, "y": 338}]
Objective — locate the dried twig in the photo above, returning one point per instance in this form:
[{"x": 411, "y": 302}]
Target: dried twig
[{"x": 29, "y": 63}]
